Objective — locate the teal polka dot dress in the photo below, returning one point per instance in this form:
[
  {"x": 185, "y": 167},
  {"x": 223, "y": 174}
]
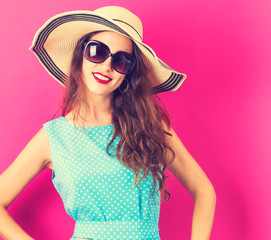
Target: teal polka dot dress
[{"x": 97, "y": 191}]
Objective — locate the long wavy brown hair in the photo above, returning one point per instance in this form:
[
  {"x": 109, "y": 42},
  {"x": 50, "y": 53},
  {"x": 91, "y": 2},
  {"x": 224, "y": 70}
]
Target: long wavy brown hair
[{"x": 138, "y": 116}]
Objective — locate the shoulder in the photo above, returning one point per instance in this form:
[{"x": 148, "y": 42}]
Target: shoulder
[
  {"x": 55, "y": 127},
  {"x": 167, "y": 127},
  {"x": 53, "y": 121}
]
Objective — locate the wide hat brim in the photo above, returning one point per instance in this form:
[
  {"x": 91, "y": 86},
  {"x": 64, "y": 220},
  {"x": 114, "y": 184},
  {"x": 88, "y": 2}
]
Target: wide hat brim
[{"x": 55, "y": 41}]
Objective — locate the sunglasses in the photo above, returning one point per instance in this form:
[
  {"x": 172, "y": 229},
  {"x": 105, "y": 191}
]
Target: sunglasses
[{"x": 98, "y": 52}]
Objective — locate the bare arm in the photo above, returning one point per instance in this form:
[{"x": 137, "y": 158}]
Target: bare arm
[
  {"x": 34, "y": 158},
  {"x": 190, "y": 174}
]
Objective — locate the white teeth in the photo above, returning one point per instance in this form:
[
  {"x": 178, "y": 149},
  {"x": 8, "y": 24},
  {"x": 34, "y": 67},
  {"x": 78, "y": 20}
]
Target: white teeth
[{"x": 101, "y": 77}]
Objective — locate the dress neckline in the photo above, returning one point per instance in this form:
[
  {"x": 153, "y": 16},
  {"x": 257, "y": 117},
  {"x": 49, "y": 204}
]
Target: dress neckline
[{"x": 87, "y": 127}]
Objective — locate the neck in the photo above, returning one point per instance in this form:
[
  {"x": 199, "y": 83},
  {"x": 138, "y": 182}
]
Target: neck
[{"x": 100, "y": 109}]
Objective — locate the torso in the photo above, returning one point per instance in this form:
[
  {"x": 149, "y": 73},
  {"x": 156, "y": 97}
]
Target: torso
[
  {"x": 69, "y": 117},
  {"x": 50, "y": 164}
]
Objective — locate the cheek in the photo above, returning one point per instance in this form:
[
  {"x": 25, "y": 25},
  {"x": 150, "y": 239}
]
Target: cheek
[
  {"x": 86, "y": 67},
  {"x": 84, "y": 72},
  {"x": 119, "y": 81}
]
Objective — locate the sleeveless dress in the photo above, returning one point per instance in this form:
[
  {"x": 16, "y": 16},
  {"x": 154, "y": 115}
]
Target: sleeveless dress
[{"x": 97, "y": 191}]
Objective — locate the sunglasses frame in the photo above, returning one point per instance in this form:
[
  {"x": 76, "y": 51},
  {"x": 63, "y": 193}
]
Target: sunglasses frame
[{"x": 108, "y": 55}]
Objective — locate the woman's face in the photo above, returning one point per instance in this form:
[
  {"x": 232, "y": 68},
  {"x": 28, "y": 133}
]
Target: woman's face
[{"x": 95, "y": 74}]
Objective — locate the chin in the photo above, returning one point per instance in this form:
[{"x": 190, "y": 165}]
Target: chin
[{"x": 100, "y": 92}]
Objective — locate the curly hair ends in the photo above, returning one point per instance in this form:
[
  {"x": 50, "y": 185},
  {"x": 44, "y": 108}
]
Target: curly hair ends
[{"x": 138, "y": 119}]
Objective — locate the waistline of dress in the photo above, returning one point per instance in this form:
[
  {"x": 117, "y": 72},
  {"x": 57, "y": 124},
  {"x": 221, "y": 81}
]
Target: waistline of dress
[{"x": 116, "y": 229}]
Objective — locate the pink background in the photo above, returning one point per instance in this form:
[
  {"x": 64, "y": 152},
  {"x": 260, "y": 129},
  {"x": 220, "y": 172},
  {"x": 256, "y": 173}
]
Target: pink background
[{"x": 221, "y": 113}]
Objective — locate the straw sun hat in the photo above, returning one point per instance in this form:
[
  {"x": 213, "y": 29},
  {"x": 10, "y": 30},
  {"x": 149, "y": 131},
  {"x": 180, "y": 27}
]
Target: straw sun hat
[{"x": 55, "y": 41}]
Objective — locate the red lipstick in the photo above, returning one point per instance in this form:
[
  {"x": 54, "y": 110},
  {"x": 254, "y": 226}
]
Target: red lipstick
[{"x": 100, "y": 78}]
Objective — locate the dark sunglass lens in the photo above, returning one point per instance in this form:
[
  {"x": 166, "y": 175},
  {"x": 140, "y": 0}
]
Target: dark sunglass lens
[
  {"x": 96, "y": 52},
  {"x": 122, "y": 62}
]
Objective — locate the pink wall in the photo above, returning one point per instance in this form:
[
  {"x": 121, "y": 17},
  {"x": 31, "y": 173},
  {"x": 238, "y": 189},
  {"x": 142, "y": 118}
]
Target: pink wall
[{"x": 221, "y": 113}]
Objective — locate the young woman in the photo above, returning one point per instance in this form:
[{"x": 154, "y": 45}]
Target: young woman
[{"x": 111, "y": 145}]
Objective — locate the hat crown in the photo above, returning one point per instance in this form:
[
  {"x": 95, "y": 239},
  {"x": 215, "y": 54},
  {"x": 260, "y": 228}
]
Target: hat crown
[{"x": 123, "y": 17}]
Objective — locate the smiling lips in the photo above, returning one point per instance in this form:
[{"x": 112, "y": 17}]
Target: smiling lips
[{"x": 100, "y": 78}]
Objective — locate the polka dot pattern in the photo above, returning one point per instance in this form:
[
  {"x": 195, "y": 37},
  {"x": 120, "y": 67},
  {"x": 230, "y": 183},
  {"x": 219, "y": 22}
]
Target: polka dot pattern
[{"x": 97, "y": 191}]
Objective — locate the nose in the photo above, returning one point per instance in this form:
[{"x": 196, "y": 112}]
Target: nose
[{"x": 107, "y": 64}]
